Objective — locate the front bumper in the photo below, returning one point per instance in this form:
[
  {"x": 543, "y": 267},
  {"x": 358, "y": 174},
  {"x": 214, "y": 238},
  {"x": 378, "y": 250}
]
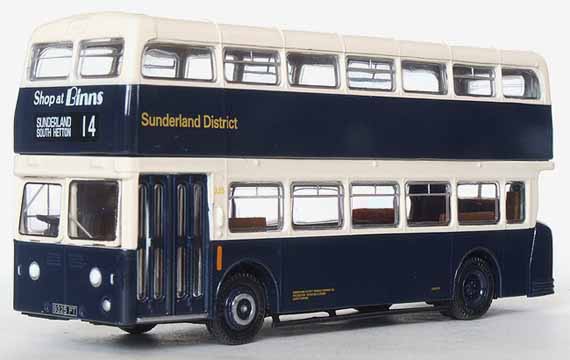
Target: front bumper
[{"x": 64, "y": 280}]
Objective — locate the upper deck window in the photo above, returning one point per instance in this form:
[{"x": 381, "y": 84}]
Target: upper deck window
[
  {"x": 174, "y": 61},
  {"x": 312, "y": 70},
  {"x": 100, "y": 58},
  {"x": 51, "y": 61},
  {"x": 251, "y": 66},
  {"x": 520, "y": 83},
  {"x": 423, "y": 77},
  {"x": 370, "y": 74},
  {"x": 474, "y": 80}
]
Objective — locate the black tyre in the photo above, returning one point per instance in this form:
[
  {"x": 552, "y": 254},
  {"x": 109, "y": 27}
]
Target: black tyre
[
  {"x": 474, "y": 290},
  {"x": 138, "y": 329},
  {"x": 240, "y": 310},
  {"x": 375, "y": 308}
]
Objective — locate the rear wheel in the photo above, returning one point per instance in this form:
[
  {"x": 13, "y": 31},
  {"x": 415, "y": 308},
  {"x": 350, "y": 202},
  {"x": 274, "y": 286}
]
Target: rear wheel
[
  {"x": 474, "y": 290},
  {"x": 240, "y": 310},
  {"x": 138, "y": 329}
]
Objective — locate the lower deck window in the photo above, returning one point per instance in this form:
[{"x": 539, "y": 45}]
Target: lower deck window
[
  {"x": 255, "y": 207},
  {"x": 93, "y": 210},
  {"x": 428, "y": 204},
  {"x": 515, "y": 202},
  {"x": 317, "y": 206},
  {"x": 477, "y": 203},
  {"x": 374, "y": 205},
  {"x": 41, "y": 209}
]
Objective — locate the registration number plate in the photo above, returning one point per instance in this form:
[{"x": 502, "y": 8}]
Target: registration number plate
[{"x": 64, "y": 310}]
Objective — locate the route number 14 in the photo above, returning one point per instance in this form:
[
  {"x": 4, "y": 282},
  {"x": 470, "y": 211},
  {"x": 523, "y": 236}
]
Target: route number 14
[{"x": 88, "y": 126}]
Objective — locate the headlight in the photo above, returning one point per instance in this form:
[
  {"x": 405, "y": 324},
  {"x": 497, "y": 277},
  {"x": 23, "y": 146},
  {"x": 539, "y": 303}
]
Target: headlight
[
  {"x": 106, "y": 305},
  {"x": 34, "y": 271},
  {"x": 95, "y": 277}
]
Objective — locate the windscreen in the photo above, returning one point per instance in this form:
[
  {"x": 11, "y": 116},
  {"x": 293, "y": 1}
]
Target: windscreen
[
  {"x": 41, "y": 207},
  {"x": 93, "y": 210}
]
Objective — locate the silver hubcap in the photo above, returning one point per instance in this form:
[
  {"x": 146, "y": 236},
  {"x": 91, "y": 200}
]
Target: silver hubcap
[{"x": 243, "y": 309}]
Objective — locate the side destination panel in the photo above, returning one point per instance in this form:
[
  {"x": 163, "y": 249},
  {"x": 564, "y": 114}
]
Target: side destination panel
[
  {"x": 190, "y": 121},
  {"x": 253, "y": 123}
]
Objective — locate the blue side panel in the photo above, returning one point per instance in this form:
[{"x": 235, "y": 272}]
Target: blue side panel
[
  {"x": 351, "y": 271},
  {"x": 541, "y": 281},
  {"x": 64, "y": 279},
  {"x": 150, "y": 120},
  {"x": 316, "y": 273},
  {"x": 516, "y": 254},
  {"x": 286, "y": 124},
  {"x": 509, "y": 249},
  {"x": 266, "y": 255}
]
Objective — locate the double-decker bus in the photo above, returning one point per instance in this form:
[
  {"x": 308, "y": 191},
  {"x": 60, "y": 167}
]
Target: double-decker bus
[{"x": 181, "y": 171}]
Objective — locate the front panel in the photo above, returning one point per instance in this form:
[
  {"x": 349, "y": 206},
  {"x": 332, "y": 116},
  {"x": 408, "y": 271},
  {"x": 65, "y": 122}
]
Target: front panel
[{"x": 64, "y": 282}]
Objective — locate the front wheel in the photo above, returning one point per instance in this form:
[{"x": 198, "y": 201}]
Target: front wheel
[
  {"x": 474, "y": 290},
  {"x": 240, "y": 310}
]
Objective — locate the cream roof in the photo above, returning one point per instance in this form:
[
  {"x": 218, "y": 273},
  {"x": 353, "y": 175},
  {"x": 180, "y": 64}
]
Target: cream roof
[{"x": 145, "y": 28}]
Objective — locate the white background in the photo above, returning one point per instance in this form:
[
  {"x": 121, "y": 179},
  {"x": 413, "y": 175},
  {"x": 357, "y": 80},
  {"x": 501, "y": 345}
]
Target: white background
[{"x": 523, "y": 328}]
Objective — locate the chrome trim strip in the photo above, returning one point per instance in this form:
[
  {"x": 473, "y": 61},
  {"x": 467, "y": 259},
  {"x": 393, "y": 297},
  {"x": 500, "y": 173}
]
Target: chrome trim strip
[{"x": 171, "y": 319}]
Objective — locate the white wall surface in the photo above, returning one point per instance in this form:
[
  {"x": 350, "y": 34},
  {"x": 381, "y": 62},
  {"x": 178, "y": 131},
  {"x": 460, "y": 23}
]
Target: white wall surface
[{"x": 541, "y": 26}]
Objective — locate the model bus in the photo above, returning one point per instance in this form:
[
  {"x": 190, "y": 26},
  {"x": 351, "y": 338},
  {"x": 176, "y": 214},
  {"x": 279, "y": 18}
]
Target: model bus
[{"x": 180, "y": 171}]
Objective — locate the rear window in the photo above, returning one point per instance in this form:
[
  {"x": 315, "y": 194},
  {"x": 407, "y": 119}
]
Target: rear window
[
  {"x": 100, "y": 58},
  {"x": 51, "y": 61},
  {"x": 174, "y": 61}
]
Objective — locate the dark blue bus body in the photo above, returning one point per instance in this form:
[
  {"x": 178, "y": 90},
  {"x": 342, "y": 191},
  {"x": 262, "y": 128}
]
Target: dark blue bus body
[
  {"x": 299, "y": 274},
  {"x": 375, "y": 269}
]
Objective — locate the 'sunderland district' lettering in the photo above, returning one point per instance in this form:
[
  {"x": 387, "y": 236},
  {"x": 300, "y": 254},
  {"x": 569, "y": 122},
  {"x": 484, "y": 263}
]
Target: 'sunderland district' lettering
[{"x": 200, "y": 121}]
